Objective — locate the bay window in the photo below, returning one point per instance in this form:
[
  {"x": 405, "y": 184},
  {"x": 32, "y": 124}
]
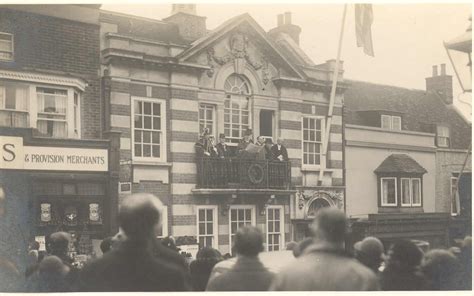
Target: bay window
[
  {"x": 53, "y": 111},
  {"x": 52, "y": 117},
  {"x": 13, "y": 105},
  {"x": 388, "y": 191},
  {"x": 149, "y": 130},
  {"x": 411, "y": 192}
]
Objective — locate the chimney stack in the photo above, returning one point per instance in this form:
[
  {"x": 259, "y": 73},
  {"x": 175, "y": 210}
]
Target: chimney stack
[
  {"x": 284, "y": 25},
  {"x": 191, "y": 26},
  {"x": 280, "y": 20},
  {"x": 441, "y": 84}
]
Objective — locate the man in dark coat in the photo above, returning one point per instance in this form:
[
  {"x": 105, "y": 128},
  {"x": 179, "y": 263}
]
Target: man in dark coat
[
  {"x": 248, "y": 273},
  {"x": 268, "y": 149},
  {"x": 132, "y": 267},
  {"x": 222, "y": 149},
  {"x": 279, "y": 151}
]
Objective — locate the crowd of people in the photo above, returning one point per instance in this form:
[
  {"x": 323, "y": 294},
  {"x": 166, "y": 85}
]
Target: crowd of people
[
  {"x": 135, "y": 260},
  {"x": 262, "y": 149}
]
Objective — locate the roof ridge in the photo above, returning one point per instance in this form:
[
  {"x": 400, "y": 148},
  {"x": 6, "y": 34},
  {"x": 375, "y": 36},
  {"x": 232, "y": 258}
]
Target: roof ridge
[{"x": 383, "y": 84}]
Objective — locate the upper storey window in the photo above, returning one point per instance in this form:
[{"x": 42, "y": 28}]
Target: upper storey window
[
  {"x": 391, "y": 122},
  {"x": 6, "y": 47},
  {"x": 237, "y": 111}
]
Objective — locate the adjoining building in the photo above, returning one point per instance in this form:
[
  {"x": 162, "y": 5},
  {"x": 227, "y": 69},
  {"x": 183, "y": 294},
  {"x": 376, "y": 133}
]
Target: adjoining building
[
  {"x": 58, "y": 170},
  {"x": 165, "y": 81},
  {"x": 404, "y": 149}
]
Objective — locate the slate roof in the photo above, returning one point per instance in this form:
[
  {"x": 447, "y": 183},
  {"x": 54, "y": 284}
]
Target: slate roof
[
  {"x": 400, "y": 163},
  {"x": 420, "y": 110}
]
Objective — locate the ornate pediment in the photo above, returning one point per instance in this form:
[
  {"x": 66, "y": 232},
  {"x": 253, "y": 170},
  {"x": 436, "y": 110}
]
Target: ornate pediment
[
  {"x": 240, "y": 37},
  {"x": 237, "y": 50},
  {"x": 310, "y": 201}
]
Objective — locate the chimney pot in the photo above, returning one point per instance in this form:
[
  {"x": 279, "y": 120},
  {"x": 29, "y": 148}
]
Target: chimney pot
[
  {"x": 443, "y": 69},
  {"x": 280, "y": 20},
  {"x": 287, "y": 18},
  {"x": 435, "y": 70}
]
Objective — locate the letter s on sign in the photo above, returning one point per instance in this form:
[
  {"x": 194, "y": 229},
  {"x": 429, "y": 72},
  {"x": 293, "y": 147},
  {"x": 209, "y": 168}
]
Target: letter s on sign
[{"x": 10, "y": 154}]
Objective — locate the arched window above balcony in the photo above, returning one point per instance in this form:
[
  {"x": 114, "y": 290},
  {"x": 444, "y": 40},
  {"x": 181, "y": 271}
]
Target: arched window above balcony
[{"x": 237, "y": 110}]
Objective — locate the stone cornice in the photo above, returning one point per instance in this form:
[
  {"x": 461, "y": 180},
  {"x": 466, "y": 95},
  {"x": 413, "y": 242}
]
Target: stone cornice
[{"x": 43, "y": 78}]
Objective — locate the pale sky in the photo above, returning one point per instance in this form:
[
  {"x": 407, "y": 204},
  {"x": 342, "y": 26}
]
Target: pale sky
[{"x": 408, "y": 38}]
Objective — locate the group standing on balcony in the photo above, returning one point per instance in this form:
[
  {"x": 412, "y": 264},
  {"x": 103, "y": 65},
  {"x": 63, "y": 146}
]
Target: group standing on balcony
[{"x": 263, "y": 149}]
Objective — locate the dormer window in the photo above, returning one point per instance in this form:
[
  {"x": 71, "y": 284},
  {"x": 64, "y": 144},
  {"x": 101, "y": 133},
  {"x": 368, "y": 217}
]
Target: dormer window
[
  {"x": 442, "y": 136},
  {"x": 391, "y": 122},
  {"x": 6, "y": 47}
]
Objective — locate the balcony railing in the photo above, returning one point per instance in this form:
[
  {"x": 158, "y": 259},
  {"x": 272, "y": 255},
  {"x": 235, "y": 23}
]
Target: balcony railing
[
  {"x": 235, "y": 173},
  {"x": 13, "y": 118}
]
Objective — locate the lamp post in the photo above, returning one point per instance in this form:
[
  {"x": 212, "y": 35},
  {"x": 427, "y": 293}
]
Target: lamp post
[{"x": 459, "y": 51}]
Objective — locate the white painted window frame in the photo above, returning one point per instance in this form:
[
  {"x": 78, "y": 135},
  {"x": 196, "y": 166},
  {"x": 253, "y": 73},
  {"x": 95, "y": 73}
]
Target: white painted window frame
[
  {"x": 439, "y": 136},
  {"x": 322, "y": 159},
  {"x": 163, "y": 143},
  {"x": 393, "y": 123},
  {"x": 12, "y": 41},
  {"x": 215, "y": 225},
  {"x": 282, "y": 226},
  {"x": 32, "y": 106},
  {"x": 164, "y": 221},
  {"x": 419, "y": 192},
  {"x": 381, "y": 192},
  {"x": 456, "y": 197},
  {"x": 389, "y": 121},
  {"x": 241, "y": 207},
  {"x": 213, "y": 120}
]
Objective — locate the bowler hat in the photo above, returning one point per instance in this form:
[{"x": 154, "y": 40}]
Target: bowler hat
[{"x": 221, "y": 136}]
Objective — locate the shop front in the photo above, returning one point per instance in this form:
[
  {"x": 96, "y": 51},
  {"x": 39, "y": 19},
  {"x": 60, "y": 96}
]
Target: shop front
[{"x": 55, "y": 185}]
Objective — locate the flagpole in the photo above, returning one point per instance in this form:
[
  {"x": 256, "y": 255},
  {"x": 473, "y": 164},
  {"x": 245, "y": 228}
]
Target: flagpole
[{"x": 332, "y": 98}]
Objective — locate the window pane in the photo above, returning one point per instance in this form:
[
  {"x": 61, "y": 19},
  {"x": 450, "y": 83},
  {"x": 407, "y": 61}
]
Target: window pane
[
  {"x": 312, "y": 124},
  {"x": 416, "y": 191},
  {"x": 138, "y": 121},
  {"x": 147, "y": 150},
  {"x": 305, "y": 123},
  {"x": 270, "y": 227},
  {"x": 209, "y": 228},
  {"x": 247, "y": 214},
  {"x": 202, "y": 228},
  {"x": 137, "y": 106},
  {"x": 396, "y": 123},
  {"x": 209, "y": 241},
  {"x": 147, "y": 108},
  {"x": 147, "y": 122},
  {"x": 156, "y": 137},
  {"x": 156, "y": 151},
  {"x": 277, "y": 226},
  {"x": 385, "y": 121},
  {"x": 138, "y": 150},
  {"x": 270, "y": 214},
  {"x": 389, "y": 191},
  {"x": 157, "y": 109},
  {"x": 233, "y": 215},
  {"x": 146, "y": 137},
  {"x": 202, "y": 215},
  {"x": 406, "y": 191},
  {"x": 209, "y": 215},
  {"x": 138, "y": 136},
  {"x": 157, "y": 123}
]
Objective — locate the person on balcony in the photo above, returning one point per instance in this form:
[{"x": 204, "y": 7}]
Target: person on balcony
[
  {"x": 260, "y": 150},
  {"x": 245, "y": 141},
  {"x": 212, "y": 149},
  {"x": 202, "y": 145},
  {"x": 279, "y": 151},
  {"x": 222, "y": 149},
  {"x": 268, "y": 149}
]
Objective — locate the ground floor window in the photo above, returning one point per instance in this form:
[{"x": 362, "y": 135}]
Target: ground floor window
[
  {"x": 240, "y": 216},
  {"x": 275, "y": 228},
  {"x": 207, "y": 226}
]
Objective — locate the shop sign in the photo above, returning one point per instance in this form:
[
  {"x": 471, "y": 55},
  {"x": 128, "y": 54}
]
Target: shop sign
[{"x": 14, "y": 155}]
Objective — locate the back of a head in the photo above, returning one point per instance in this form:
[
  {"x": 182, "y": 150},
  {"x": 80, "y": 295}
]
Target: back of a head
[
  {"x": 106, "y": 244},
  {"x": 330, "y": 224},
  {"x": 35, "y": 245},
  {"x": 248, "y": 241},
  {"x": 59, "y": 243},
  {"x": 208, "y": 253},
  {"x": 441, "y": 267},
  {"x": 53, "y": 265},
  {"x": 138, "y": 215},
  {"x": 405, "y": 254},
  {"x": 371, "y": 247}
]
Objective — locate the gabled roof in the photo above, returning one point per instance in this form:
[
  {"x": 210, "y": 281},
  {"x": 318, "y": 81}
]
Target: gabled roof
[
  {"x": 201, "y": 43},
  {"x": 400, "y": 163},
  {"x": 420, "y": 109}
]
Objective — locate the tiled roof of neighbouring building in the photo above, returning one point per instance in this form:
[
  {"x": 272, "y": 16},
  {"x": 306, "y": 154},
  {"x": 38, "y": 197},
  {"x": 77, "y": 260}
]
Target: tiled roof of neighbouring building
[
  {"x": 400, "y": 163},
  {"x": 420, "y": 110}
]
